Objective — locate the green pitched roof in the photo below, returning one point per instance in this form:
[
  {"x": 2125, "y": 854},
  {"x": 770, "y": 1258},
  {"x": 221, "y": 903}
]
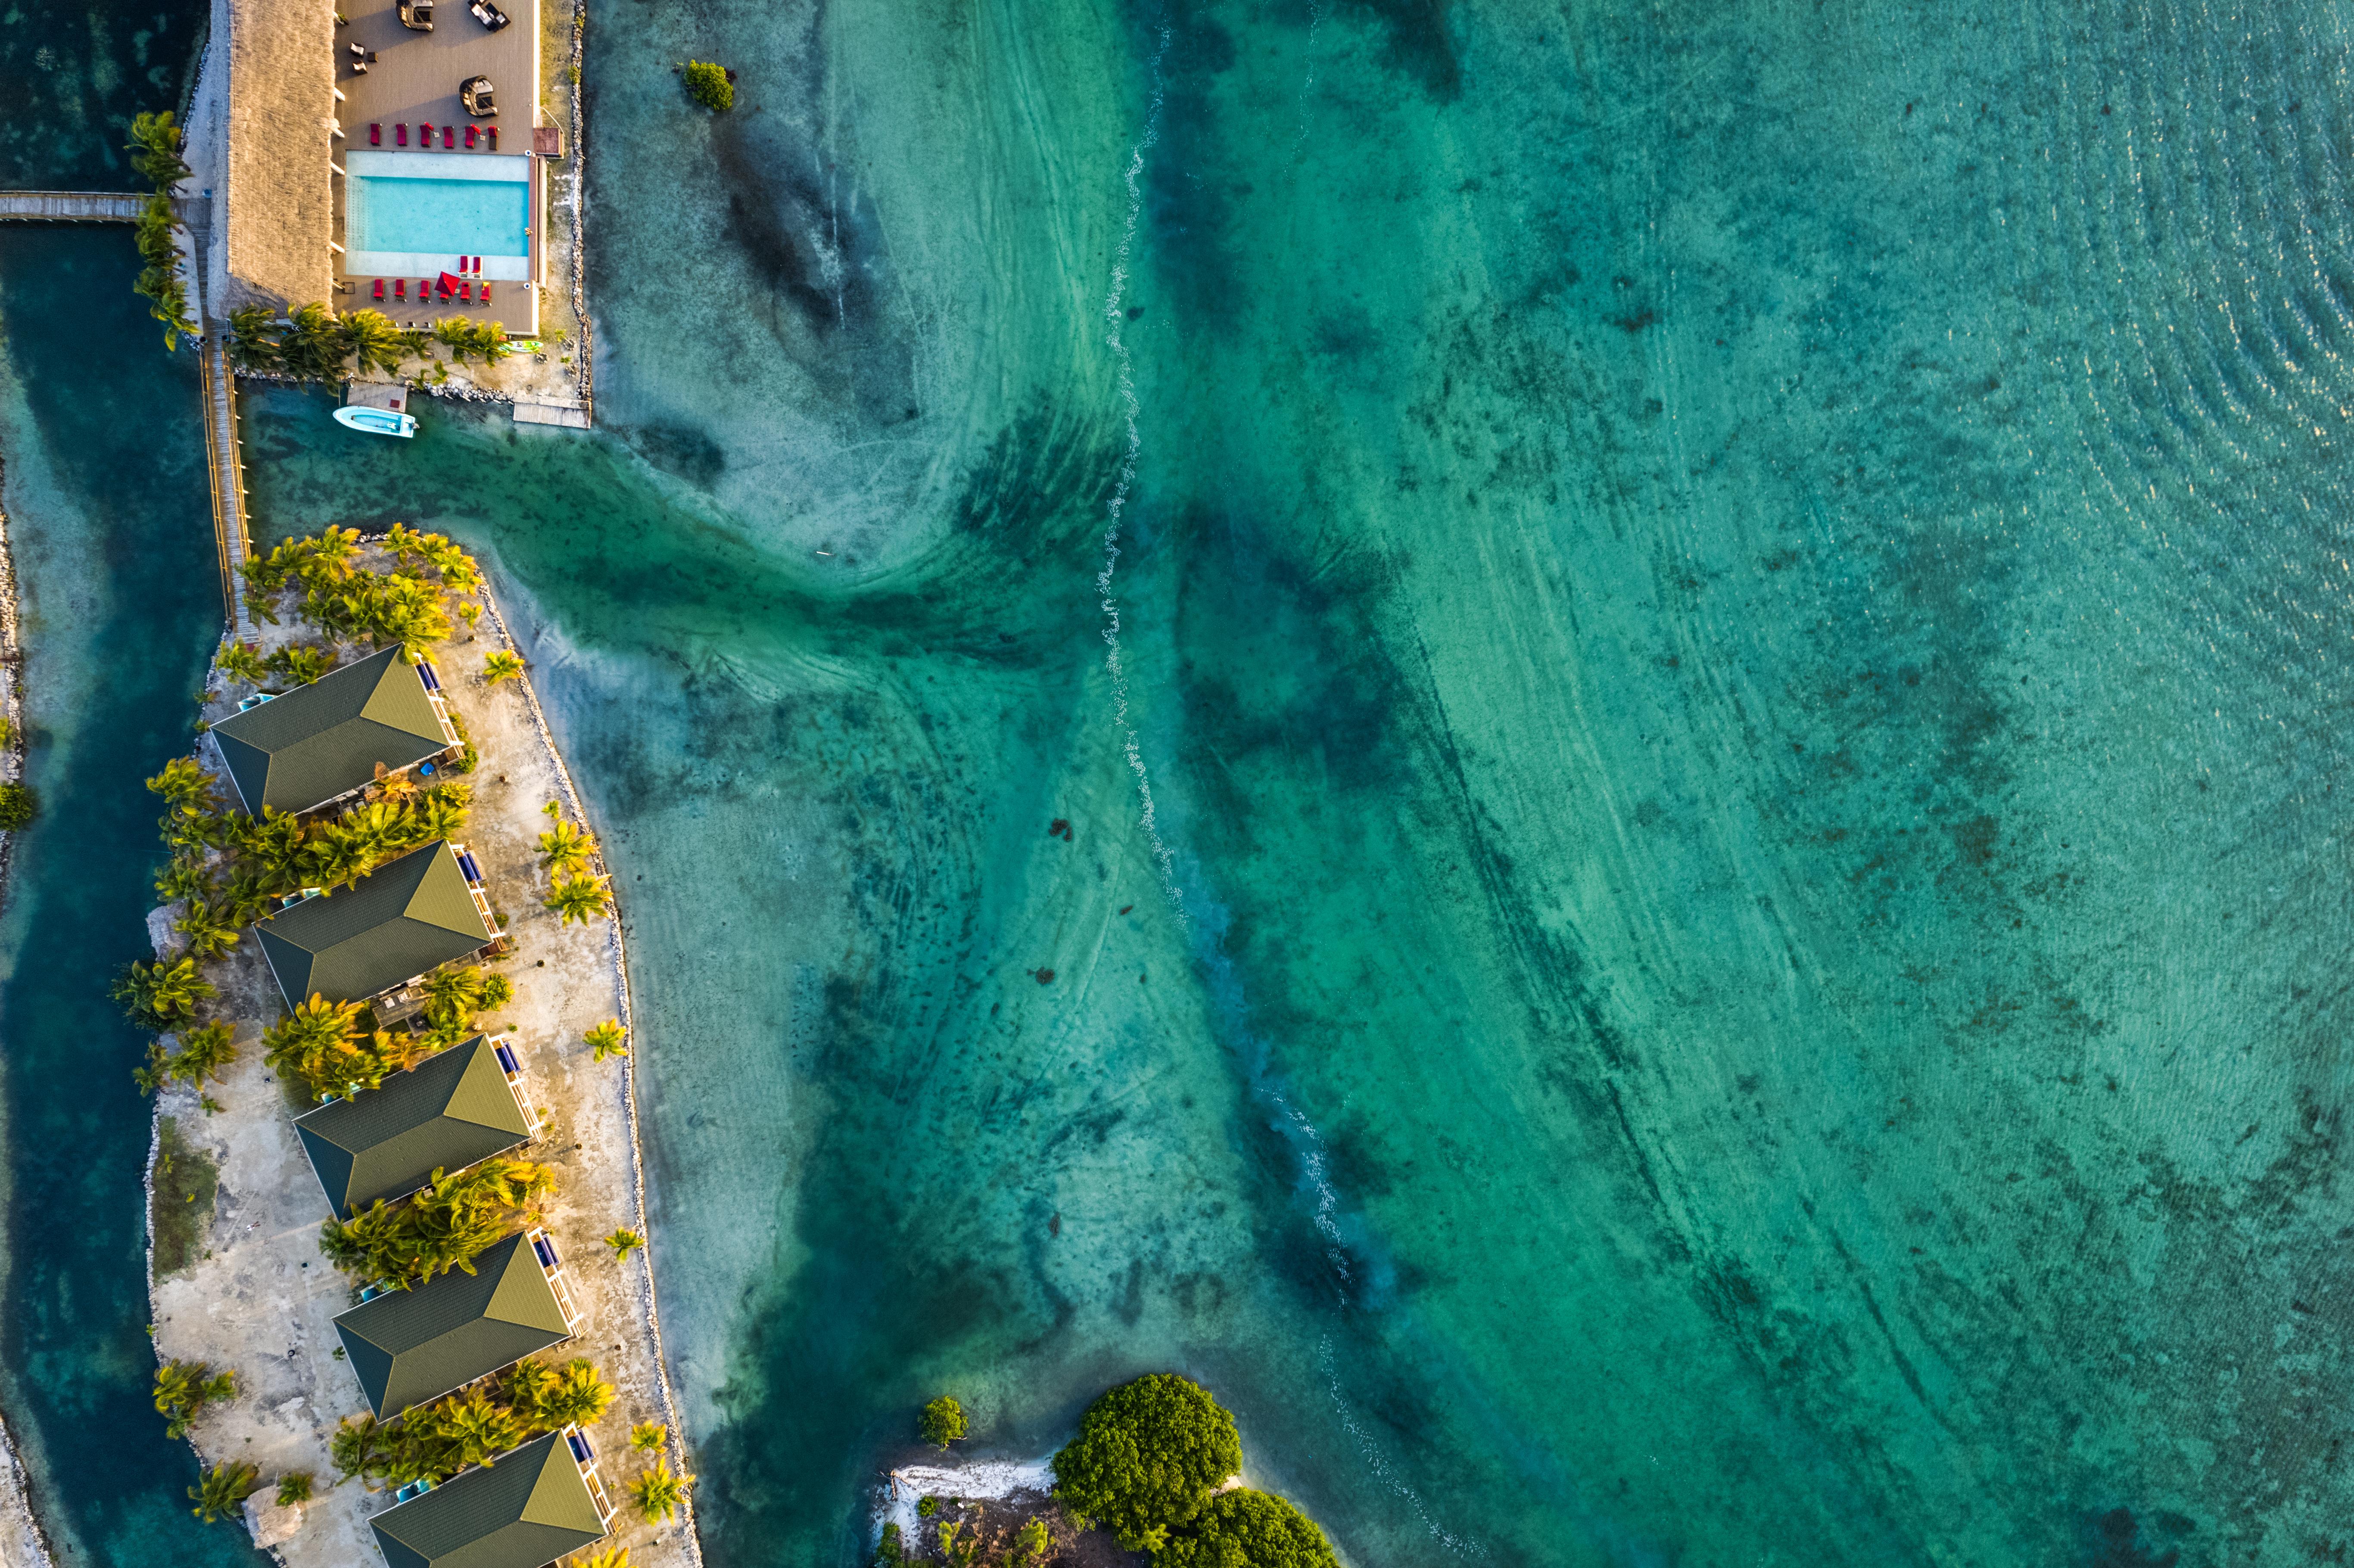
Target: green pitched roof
[
  {"x": 409, "y": 916},
  {"x": 445, "y": 1113},
  {"x": 524, "y": 1512},
  {"x": 319, "y": 741},
  {"x": 409, "y": 1346}
]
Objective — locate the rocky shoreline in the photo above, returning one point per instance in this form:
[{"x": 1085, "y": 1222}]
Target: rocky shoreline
[{"x": 22, "y": 1544}]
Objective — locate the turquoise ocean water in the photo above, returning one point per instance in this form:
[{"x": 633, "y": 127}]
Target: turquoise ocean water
[{"x": 1693, "y": 660}]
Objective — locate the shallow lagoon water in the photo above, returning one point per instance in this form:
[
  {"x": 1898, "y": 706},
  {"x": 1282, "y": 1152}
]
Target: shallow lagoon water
[{"x": 1733, "y": 625}]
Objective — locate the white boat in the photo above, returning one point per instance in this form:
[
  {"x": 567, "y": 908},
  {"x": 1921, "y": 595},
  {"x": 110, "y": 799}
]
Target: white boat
[{"x": 377, "y": 421}]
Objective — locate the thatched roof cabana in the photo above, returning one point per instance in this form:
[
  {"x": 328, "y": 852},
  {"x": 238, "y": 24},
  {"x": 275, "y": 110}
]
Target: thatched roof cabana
[{"x": 273, "y": 207}]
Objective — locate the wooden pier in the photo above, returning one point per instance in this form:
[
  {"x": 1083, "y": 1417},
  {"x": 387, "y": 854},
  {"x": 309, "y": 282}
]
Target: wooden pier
[{"x": 78, "y": 207}]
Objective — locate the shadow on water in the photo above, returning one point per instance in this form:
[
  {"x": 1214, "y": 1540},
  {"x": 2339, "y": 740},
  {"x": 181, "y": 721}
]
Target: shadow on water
[{"x": 110, "y": 521}]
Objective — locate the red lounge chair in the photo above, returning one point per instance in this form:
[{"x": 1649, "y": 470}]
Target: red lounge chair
[
  {"x": 375, "y": 134},
  {"x": 379, "y": 288},
  {"x": 470, "y": 138},
  {"x": 400, "y": 134},
  {"x": 449, "y": 136},
  {"x": 486, "y": 293},
  {"x": 400, "y": 288},
  {"x": 465, "y": 293},
  {"x": 494, "y": 138},
  {"x": 424, "y": 134}
]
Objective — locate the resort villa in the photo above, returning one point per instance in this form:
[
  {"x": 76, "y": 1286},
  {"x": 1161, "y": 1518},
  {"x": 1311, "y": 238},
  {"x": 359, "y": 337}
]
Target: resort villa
[
  {"x": 407, "y": 1347},
  {"x": 533, "y": 1506},
  {"x": 454, "y": 1108},
  {"x": 393, "y": 926},
  {"x": 319, "y": 743},
  {"x": 378, "y": 155}
]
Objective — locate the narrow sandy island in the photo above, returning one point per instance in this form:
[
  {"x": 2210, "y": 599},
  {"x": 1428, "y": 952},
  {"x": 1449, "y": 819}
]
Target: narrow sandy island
[{"x": 257, "y": 1297}]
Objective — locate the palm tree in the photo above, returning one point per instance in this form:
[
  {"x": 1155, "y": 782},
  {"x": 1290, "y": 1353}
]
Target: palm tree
[
  {"x": 161, "y": 995},
  {"x": 183, "y": 1389},
  {"x": 442, "y": 813},
  {"x": 527, "y": 1389},
  {"x": 314, "y": 1042},
  {"x": 205, "y": 1050},
  {"x": 247, "y": 897},
  {"x": 312, "y": 348},
  {"x": 239, "y": 662},
  {"x": 648, "y": 1436},
  {"x": 299, "y": 664},
  {"x": 606, "y": 1040},
  {"x": 154, "y": 147},
  {"x": 504, "y": 664},
  {"x": 224, "y": 1491},
  {"x": 358, "y": 1447},
  {"x": 183, "y": 782},
  {"x": 658, "y": 1493},
  {"x": 334, "y": 857},
  {"x": 565, "y": 848},
  {"x": 208, "y": 928},
  {"x": 253, "y": 341},
  {"x": 580, "y": 898},
  {"x": 396, "y": 787},
  {"x": 183, "y": 878},
  {"x": 604, "y": 1557},
  {"x": 624, "y": 1243},
  {"x": 579, "y": 1397},
  {"x": 477, "y": 1429},
  {"x": 295, "y": 1487},
  {"x": 374, "y": 341}
]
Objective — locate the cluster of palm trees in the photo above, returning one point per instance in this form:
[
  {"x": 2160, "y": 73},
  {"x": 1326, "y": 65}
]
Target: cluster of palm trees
[
  {"x": 314, "y": 344},
  {"x": 205, "y": 1051},
  {"x": 183, "y": 1389},
  {"x": 350, "y": 602},
  {"x": 574, "y": 893},
  {"x": 154, "y": 147},
  {"x": 453, "y": 996},
  {"x": 434, "y": 1442},
  {"x": 444, "y": 1227}
]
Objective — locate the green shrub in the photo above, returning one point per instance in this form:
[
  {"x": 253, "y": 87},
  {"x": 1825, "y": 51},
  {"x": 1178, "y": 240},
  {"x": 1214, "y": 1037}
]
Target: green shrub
[
  {"x": 943, "y": 1422},
  {"x": 708, "y": 85},
  {"x": 1146, "y": 1457},
  {"x": 1244, "y": 1529},
  {"x": 18, "y": 807}
]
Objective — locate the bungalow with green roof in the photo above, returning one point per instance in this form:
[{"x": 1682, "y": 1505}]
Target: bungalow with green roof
[
  {"x": 529, "y": 1508},
  {"x": 410, "y": 1346},
  {"x": 452, "y": 1110},
  {"x": 318, "y": 743},
  {"x": 405, "y": 918}
]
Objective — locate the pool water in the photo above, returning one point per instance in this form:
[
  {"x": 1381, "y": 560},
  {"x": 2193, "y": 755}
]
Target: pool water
[{"x": 419, "y": 209}]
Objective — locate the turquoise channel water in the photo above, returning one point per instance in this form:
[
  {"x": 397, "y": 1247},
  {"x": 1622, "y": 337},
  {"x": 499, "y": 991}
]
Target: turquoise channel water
[{"x": 1593, "y": 749}]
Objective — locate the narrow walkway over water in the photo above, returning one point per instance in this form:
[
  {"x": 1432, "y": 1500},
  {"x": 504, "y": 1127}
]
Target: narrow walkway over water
[{"x": 80, "y": 206}]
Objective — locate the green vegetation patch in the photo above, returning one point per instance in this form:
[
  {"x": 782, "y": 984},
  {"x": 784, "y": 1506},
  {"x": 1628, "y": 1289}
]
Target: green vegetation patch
[
  {"x": 707, "y": 84},
  {"x": 1147, "y": 1458},
  {"x": 187, "y": 1182},
  {"x": 1244, "y": 1529}
]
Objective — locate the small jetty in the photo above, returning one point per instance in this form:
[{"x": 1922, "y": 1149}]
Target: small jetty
[{"x": 81, "y": 207}]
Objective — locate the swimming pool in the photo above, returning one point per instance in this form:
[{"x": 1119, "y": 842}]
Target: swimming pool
[{"x": 416, "y": 213}]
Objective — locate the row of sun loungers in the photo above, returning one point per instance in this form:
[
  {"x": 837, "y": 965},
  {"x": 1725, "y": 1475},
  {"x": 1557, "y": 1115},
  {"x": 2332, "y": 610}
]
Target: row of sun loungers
[
  {"x": 486, "y": 134},
  {"x": 446, "y": 287}
]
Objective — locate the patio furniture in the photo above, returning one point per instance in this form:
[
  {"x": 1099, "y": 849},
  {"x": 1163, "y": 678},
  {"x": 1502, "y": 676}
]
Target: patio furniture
[
  {"x": 417, "y": 14},
  {"x": 449, "y": 136},
  {"x": 375, "y": 134},
  {"x": 470, "y": 138},
  {"x": 494, "y": 138},
  {"x": 359, "y": 68},
  {"x": 379, "y": 288},
  {"x": 400, "y": 288},
  {"x": 400, "y": 134},
  {"x": 465, "y": 293},
  {"x": 488, "y": 14},
  {"x": 474, "y": 92},
  {"x": 486, "y": 293},
  {"x": 424, "y": 134}
]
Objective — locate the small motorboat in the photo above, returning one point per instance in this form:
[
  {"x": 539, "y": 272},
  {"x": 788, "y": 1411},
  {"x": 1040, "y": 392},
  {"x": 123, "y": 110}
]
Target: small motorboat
[{"x": 377, "y": 421}]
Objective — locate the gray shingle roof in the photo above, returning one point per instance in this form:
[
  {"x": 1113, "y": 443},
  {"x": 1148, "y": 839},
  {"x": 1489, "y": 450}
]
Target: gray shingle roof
[
  {"x": 524, "y": 1512},
  {"x": 447, "y": 1112},
  {"x": 324, "y": 739},
  {"x": 407, "y": 916},
  {"x": 409, "y": 1346}
]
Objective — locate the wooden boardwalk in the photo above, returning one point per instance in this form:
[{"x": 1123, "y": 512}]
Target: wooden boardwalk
[
  {"x": 77, "y": 206},
  {"x": 225, "y": 460}
]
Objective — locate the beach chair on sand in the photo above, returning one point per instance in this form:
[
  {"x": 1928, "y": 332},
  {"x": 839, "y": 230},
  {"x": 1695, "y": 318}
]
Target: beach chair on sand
[
  {"x": 375, "y": 134},
  {"x": 400, "y": 134},
  {"x": 379, "y": 288}
]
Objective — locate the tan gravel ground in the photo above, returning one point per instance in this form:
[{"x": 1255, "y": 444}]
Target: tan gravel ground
[{"x": 261, "y": 1300}]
